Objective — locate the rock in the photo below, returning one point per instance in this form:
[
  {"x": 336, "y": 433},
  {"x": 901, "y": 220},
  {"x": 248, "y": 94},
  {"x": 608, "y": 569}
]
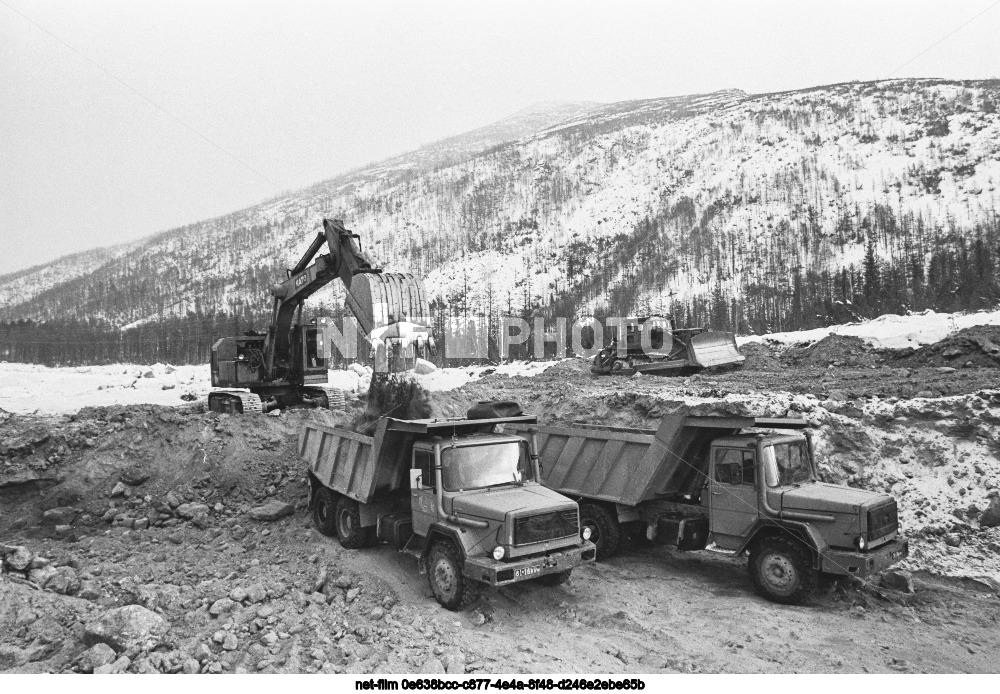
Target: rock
[
  {"x": 11, "y": 657},
  {"x": 89, "y": 590},
  {"x": 320, "y": 581},
  {"x": 20, "y": 559},
  {"x": 352, "y": 594},
  {"x": 134, "y": 477},
  {"x": 221, "y": 606},
  {"x": 41, "y": 575},
  {"x": 191, "y": 667},
  {"x": 478, "y": 618},
  {"x": 257, "y": 593},
  {"x": 118, "y": 490},
  {"x": 432, "y": 666},
  {"x": 343, "y": 582},
  {"x": 952, "y": 539},
  {"x": 230, "y": 643},
  {"x": 115, "y": 668},
  {"x": 454, "y": 661},
  {"x": 64, "y": 582},
  {"x": 122, "y": 628},
  {"x": 990, "y": 518},
  {"x": 172, "y": 500},
  {"x": 898, "y": 579},
  {"x": 838, "y": 396},
  {"x": 925, "y": 394},
  {"x": 946, "y": 369},
  {"x": 272, "y": 511},
  {"x": 168, "y": 386},
  {"x": 274, "y": 413},
  {"x": 424, "y": 367},
  {"x": 141, "y": 524},
  {"x": 377, "y": 614},
  {"x": 270, "y": 638},
  {"x": 63, "y": 531},
  {"x": 96, "y": 656},
  {"x": 147, "y": 374},
  {"x": 62, "y": 515},
  {"x": 237, "y": 594},
  {"x": 191, "y": 511}
]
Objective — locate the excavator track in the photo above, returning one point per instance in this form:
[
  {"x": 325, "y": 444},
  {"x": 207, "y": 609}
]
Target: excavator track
[
  {"x": 335, "y": 397},
  {"x": 234, "y": 402}
]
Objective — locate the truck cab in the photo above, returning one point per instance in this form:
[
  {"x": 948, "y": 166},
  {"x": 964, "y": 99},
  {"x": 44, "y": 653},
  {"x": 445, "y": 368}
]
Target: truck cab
[
  {"x": 482, "y": 493},
  {"x": 763, "y": 495}
]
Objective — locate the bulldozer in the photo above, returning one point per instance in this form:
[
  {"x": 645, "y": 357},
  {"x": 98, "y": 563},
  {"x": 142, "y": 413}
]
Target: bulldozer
[
  {"x": 654, "y": 345},
  {"x": 287, "y": 366}
]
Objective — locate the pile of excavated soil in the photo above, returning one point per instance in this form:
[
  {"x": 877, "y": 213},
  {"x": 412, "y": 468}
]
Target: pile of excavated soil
[
  {"x": 978, "y": 346},
  {"x": 760, "y": 357},
  {"x": 835, "y": 350}
]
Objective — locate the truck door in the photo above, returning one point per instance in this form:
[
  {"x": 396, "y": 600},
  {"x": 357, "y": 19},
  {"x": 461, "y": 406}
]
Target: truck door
[
  {"x": 733, "y": 495},
  {"x": 423, "y": 503}
]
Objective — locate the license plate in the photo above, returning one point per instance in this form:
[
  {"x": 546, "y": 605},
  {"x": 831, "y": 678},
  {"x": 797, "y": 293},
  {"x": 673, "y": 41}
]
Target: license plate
[{"x": 527, "y": 571}]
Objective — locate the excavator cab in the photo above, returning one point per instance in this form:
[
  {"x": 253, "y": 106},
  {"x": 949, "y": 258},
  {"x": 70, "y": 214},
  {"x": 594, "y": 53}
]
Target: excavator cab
[{"x": 314, "y": 343}]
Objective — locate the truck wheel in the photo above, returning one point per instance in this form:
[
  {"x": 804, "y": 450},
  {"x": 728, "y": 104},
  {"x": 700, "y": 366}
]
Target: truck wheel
[
  {"x": 605, "y": 532},
  {"x": 444, "y": 573},
  {"x": 781, "y": 570},
  {"x": 556, "y": 579},
  {"x": 349, "y": 530},
  {"x": 325, "y": 512}
]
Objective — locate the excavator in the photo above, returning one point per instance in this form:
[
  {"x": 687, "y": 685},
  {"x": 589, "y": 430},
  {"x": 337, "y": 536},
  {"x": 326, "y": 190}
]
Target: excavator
[
  {"x": 287, "y": 366},
  {"x": 654, "y": 345}
]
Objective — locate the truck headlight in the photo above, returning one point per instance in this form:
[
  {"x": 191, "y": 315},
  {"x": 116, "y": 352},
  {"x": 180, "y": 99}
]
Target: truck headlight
[
  {"x": 861, "y": 542},
  {"x": 499, "y": 552},
  {"x": 586, "y": 533}
]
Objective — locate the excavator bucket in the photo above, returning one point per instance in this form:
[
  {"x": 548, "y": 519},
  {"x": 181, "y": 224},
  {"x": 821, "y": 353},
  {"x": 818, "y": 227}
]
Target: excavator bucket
[
  {"x": 715, "y": 349},
  {"x": 374, "y": 298}
]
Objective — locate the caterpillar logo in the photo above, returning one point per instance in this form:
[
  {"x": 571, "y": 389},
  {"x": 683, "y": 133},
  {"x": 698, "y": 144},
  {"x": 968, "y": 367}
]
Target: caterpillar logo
[{"x": 301, "y": 279}]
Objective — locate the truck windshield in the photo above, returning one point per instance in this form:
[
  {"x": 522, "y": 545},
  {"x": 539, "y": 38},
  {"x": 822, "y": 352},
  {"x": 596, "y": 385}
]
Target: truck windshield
[
  {"x": 475, "y": 467},
  {"x": 786, "y": 464}
]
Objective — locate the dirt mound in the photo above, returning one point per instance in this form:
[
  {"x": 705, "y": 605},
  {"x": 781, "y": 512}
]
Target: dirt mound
[
  {"x": 759, "y": 357},
  {"x": 836, "y": 350},
  {"x": 977, "y": 346}
]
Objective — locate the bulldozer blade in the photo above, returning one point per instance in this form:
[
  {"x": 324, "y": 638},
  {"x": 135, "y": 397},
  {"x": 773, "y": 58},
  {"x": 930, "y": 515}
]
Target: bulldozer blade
[{"x": 715, "y": 349}]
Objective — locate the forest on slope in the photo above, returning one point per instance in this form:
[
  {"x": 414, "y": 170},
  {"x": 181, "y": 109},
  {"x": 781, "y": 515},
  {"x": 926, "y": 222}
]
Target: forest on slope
[{"x": 750, "y": 213}]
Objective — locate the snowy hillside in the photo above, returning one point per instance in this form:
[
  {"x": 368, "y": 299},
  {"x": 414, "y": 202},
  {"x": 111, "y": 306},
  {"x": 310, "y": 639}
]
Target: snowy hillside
[{"x": 751, "y": 212}]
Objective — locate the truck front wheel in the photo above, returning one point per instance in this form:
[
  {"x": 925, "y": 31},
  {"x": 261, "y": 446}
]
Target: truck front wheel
[
  {"x": 325, "y": 512},
  {"x": 349, "y": 530},
  {"x": 781, "y": 570},
  {"x": 605, "y": 532},
  {"x": 444, "y": 573}
]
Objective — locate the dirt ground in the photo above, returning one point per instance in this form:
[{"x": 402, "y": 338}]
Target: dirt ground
[{"x": 148, "y": 528}]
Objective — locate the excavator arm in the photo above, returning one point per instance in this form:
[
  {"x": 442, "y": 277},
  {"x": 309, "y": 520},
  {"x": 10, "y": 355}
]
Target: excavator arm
[{"x": 374, "y": 301}]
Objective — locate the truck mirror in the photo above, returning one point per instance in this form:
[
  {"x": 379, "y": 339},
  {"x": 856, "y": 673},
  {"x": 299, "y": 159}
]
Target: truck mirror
[{"x": 415, "y": 479}]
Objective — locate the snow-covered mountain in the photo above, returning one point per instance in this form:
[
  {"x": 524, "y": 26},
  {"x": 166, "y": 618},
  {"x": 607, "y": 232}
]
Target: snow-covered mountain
[{"x": 752, "y": 211}]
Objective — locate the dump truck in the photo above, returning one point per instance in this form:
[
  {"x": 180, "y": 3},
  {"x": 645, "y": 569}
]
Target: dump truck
[
  {"x": 287, "y": 366},
  {"x": 655, "y": 345},
  {"x": 739, "y": 484},
  {"x": 461, "y": 498}
]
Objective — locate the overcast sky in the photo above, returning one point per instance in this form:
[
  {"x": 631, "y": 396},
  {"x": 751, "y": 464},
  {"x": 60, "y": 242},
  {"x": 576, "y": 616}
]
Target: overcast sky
[{"x": 301, "y": 91}]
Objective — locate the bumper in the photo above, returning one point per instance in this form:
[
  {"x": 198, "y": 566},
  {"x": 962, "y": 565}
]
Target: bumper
[
  {"x": 862, "y": 564},
  {"x": 502, "y": 573}
]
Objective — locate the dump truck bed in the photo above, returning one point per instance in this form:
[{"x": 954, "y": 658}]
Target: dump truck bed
[
  {"x": 360, "y": 466},
  {"x": 629, "y": 466}
]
